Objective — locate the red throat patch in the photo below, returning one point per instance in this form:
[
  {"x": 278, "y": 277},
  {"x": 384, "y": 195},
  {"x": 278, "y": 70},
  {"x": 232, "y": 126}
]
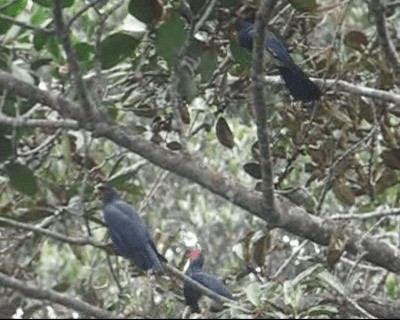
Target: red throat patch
[{"x": 194, "y": 254}]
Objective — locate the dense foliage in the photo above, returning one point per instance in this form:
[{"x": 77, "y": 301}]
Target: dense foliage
[{"x": 156, "y": 97}]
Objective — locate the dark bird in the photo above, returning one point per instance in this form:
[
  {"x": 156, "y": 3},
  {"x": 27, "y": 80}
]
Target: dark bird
[
  {"x": 128, "y": 231},
  {"x": 297, "y": 82},
  {"x": 195, "y": 271}
]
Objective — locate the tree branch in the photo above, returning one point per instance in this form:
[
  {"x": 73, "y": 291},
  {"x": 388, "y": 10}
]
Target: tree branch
[
  {"x": 262, "y": 111},
  {"x": 53, "y": 296},
  {"x": 88, "y": 241},
  {"x": 291, "y": 218},
  {"x": 38, "y": 123},
  {"x": 341, "y": 86},
  {"x": 25, "y": 25},
  {"x": 378, "y": 10},
  {"x": 63, "y": 35}
]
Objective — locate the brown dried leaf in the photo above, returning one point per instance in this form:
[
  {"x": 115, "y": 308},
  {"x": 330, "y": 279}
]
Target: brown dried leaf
[
  {"x": 174, "y": 145},
  {"x": 391, "y": 158},
  {"x": 253, "y": 169},
  {"x": 185, "y": 114},
  {"x": 224, "y": 133},
  {"x": 344, "y": 193},
  {"x": 337, "y": 243}
]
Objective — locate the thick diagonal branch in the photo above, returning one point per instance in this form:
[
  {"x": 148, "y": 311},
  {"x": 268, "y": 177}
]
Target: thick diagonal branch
[{"x": 291, "y": 218}]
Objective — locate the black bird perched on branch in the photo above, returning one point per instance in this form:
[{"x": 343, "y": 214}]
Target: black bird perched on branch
[
  {"x": 128, "y": 231},
  {"x": 195, "y": 271},
  {"x": 297, "y": 82}
]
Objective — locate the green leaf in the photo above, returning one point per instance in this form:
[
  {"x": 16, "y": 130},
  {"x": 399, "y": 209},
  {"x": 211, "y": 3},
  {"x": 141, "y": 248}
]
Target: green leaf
[
  {"x": 49, "y": 3},
  {"x": 230, "y": 3},
  {"x": 53, "y": 46},
  {"x": 304, "y": 5},
  {"x": 292, "y": 294},
  {"x": 208, "y": 63},
  {"x": 21, "y": 178},
  {"x": 254, "y": 293},
  {"x": 241, "y": 55},
  {"x": 117, "y": 47},
  {"x": 187, "y": 86},
  {"x": 22, "y": 74},
  {"x": 39, "y": 41},
  {"x": 170, "y": 37},
  {"x": 36, "y": 64},
  {"x": 6, "y": 148},
  {"x": 12, "y": 10},
  {"x": 147, "y": 11},
  {"x": 331, "y": 281},
  {"x": 39, "y": 16},
  {"x": 85, "y": 53}
]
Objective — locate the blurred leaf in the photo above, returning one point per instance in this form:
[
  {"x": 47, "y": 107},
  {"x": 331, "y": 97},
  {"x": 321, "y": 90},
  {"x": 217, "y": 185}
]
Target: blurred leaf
[
  {"x": 39, "y": 16},
  {"x": 145, "y": 111},
  {"x": 292, "y": 294},
  {"x": 147, "y": 11},
  {"x": 66, "y": 151},
  {"x": 185, "y": 115},
  {"x": 84, "y": 51},
  {"x": 21, "y": 74},
  {"x": 253, "y": 169},
  {"x": 53, "y": 46},
  {"x": 337, "y": 243},
  {"x": 40, "y": 63},
  {"x": 305, "y": 275},
  {"x": 39, "y": 41},
  {"x": 261, "y": 245},
  {"x": 344, "y": 193},
  {"x": 224, "y": 133},
  {"x": 254, "y": 293},
  {"x": 6, "y": 148},
  {"x": 321, "y": 310},
  {"x": 21, "y": 178},
  {"x": 391, "y": 158},
  {"x": 170, "y": 37},
  {"x": 49, "y": 3},
  {"x": 341, "y": 116},
  {"x": 230, "y": 3},
  {"x": 195, "y": 5},
  {"x": 117, "y": 47},
  {"x": 387, "y": 179},
  {"x": 208, "y": 63},
  {"x": 174, "y": 145},
  {"x": 255, "y": 151},
  {"x": 304, "y": 5},
  {"x": 303, "y": 198},
  {"x": 187, "y": 86},
  {"x": 241, "y": 55},
  {"x": 356, "y": 40},
  {"x": 12, "y": 9},
  {"x": 331, "y": 281}
]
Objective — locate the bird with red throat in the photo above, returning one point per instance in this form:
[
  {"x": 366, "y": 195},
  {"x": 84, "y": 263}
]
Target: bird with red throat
[{"x": 195, "y": 271}]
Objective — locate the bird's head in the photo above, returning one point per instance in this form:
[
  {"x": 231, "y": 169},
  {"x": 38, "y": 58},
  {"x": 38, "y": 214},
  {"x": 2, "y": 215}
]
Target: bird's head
[
  {"x": 247, "y": 13},
  {"x": 194, "y": 254},
  {"x": 196, "y": 258},
  {"x": 105, "y": 192}
]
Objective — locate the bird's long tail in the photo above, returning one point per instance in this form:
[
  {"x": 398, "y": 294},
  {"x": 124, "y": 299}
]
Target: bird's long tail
[
  {"x": 157, "y": 260},
  {"x": 298, "y": 83}
]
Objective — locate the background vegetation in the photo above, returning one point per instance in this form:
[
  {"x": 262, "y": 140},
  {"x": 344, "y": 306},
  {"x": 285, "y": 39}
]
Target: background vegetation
[{"x": 156, "y": 97}]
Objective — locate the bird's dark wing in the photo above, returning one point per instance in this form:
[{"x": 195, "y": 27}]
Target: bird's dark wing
[
  {"x": 212, "y": 282},
  {"x": 297, "y": 82},
  {"x": 130, "y": 235}
]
